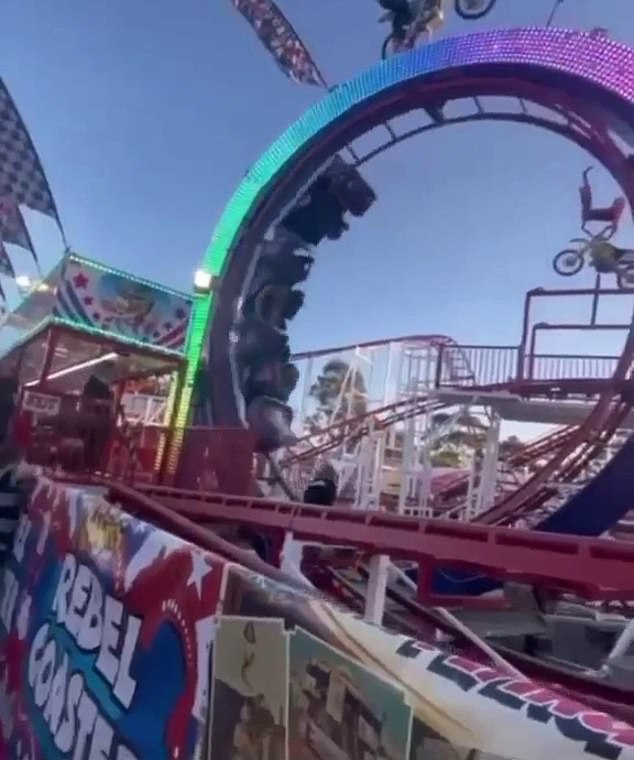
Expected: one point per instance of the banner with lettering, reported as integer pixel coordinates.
(345, 673)
(106, 635)
(119, 641)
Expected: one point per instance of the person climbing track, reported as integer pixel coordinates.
(403, 16)
(411, 20)
(606, 257)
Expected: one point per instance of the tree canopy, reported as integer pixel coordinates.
(339, 393)
(467, 437)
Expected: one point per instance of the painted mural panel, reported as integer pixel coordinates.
(249, 717)
(105, 300)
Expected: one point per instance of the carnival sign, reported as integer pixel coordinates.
(106, 634)
(459, 707)
(114, 634)
(113, 302)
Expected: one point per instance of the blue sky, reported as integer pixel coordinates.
(147, 114)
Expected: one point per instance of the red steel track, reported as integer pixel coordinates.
(568, 460)
(595, 568)
(533, 451)
(352, 429)
(188, 518)
(432, 339)
(571, 449)
(405, 614)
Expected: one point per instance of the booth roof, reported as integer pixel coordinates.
(38, 304)
(81, 352)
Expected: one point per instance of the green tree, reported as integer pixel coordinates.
(339, 392)
(510, 447)
(466, 437)
(467, 430)
(450, 449)
(447, 457)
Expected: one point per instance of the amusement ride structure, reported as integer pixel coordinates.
(251, 377)
(246, 423)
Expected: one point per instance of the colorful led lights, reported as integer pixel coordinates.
(592, 59)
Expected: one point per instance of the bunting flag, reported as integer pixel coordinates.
(21, 174)
(281, 40)
(13, 228)
(6, 267)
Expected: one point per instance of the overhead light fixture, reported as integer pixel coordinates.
(27, 285)
(75, 368)
(203, 281)
(24, 284)
(23, 281)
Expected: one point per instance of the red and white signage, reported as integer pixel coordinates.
(41, 404)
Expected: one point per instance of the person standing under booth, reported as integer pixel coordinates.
(22, 429)
(98, 412)
(15, 487)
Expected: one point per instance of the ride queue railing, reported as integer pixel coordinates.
(499, 365)
(566, 367)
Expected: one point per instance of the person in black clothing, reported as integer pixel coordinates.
(97, 409)
(97, 389)
(254, 541)
(402, 16)
(8, 397)
(322, 489)
(15, 488)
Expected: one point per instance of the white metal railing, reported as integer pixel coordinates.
(144, 409)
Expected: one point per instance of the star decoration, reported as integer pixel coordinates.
(96, 315)
(200, 569)
(88, 300)
(81, 281)
(180, 313)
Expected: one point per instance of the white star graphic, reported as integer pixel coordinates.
(200, 568)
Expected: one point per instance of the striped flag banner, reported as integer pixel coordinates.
(21, 174)
(13, 228)
(278, 36)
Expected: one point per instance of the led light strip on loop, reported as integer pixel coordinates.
(595, 60)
